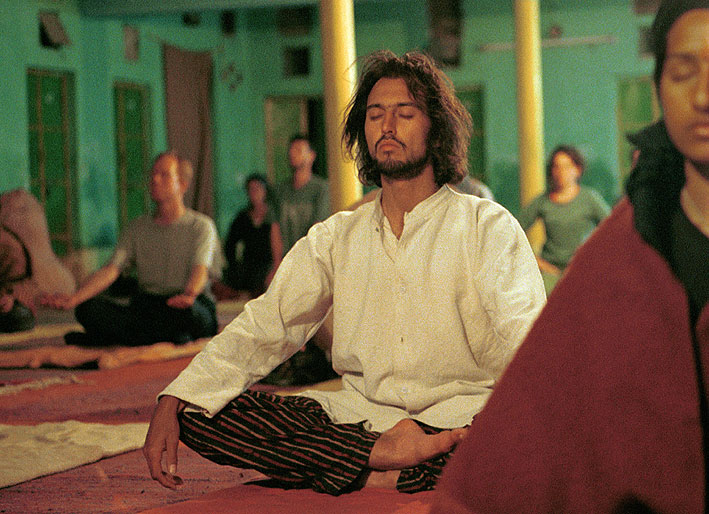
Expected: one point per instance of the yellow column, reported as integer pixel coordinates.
(530, 110)
(339, 79)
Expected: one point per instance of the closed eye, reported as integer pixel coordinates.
(681, 68)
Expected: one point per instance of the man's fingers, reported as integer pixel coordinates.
(459, 434)
(172, 457)
(153, 459)
(169, 479)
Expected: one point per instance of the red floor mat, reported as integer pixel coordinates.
(250, 499)
(122, 484)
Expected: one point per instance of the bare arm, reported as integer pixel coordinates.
(163, 437)
(96, 283)
(195, 285)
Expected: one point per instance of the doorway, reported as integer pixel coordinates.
(637, 108)
(473, 100)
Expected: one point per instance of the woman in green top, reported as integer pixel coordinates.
(568, 210)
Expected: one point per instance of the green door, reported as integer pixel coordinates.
(132, 149)
(50, 97)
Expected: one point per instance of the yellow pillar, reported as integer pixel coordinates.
(530, 110)
(339, 79)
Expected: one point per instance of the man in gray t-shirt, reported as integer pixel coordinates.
(305, 199)
(173, 252)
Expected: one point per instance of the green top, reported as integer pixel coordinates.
(567, 225)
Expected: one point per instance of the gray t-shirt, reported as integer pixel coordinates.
(299, 209)
(164, 255)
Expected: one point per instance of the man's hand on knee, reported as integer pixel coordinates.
(58, 301)
(181, 301)
(164, 437)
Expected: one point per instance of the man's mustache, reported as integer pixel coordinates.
(387, 137)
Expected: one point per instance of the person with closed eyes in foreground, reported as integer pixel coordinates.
(604, 407)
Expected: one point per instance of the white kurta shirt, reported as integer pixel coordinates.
(423, 326)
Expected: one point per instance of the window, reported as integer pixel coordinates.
(296, 62)
(51, 31)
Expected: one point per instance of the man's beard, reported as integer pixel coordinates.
(401, 170)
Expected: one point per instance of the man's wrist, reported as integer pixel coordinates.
(173, 402)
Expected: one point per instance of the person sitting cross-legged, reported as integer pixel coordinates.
(173, 251)
(430, 290)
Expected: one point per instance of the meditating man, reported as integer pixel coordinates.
(172, 251)
(431, 292)
(604, 407)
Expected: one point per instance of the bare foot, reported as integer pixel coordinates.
(383, 479)
(406, 445)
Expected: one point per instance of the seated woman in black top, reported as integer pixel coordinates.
(253, 246)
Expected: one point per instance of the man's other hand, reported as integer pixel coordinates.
(181, 301)
(58, 301)
(163, 437)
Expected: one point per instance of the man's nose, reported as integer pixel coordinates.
(389, 123)
(701, 92)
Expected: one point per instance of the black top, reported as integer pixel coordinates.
(689, 259)
(248, 253)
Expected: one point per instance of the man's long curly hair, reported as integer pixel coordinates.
(432, 90)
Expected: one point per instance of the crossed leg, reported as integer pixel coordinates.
(406, 445)
(293, 441)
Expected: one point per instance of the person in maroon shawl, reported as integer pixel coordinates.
(604, 407)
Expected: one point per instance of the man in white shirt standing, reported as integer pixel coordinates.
(431, 293)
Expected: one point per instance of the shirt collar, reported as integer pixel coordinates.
(422, 211)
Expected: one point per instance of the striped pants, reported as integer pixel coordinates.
(292, 440)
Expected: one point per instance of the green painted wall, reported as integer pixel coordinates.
(580, 88)
(579, 84)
